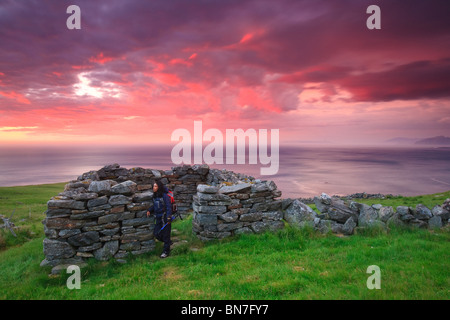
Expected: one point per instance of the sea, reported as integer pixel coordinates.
(304, 171)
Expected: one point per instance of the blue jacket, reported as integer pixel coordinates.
(161, 205)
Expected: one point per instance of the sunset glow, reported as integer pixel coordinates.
(138, 70)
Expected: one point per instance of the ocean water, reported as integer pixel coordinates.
(303, 171)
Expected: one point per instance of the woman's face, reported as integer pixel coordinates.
(155, 187)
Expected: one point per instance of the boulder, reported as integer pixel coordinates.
(435, 222)
(349, 226)
(422, 212)
(340, 212)
(367, 216)
(299, 214)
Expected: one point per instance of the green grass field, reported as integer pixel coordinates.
(289, 264)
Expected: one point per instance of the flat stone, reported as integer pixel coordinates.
(84, 239)
(54, 249)
(203, 188)
(236, 188)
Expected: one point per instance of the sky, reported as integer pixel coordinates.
(138, 70)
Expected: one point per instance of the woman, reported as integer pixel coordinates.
(162, 208)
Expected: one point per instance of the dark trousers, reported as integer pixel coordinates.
(164, 234)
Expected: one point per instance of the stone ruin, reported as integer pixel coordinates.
(102, 214)
(343, 217)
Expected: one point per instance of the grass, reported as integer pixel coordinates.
(289, 264)
(28, 204)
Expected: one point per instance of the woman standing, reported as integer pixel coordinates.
(162, 208)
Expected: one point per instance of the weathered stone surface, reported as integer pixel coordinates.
(137, 222)
(205, 219)
(108, 250)
(143, 196)
(84, 239)
(385, 213)
(236, 188)
(395, 220)
(272, 215)
(229, 226)
(126, 188)
(210, 209)
(64, 234)
(367, 216)
(251, 217)
(422, 212)
(299, 214)
(435, 222)
(97, 202)
(339, 212)
(203, 188)
(54, 249)
(228, 216)
(119, 199)
(101, 187)
(67, 204)
(63, 223)
(349, 226)
(88, 215)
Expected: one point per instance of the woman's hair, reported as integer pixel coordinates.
(160, 185)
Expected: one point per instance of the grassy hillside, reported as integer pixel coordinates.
(289, 264)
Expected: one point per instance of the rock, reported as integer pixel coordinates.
(339, 212)
(326, 226)
(402, 210)
(441, 212)
(322, 203)
(349, 226)
(259, 187)
(101, 187)
(385, 213)
(118, 200)
(228, 216)
(236, 188)
(210, 209)
(126, 188)
(54, 249)
(84, 239)
(446, 204)
(395, 221)
(67, 204)
(435, 222)
(205, 219)
(97, 202)
(108, 250)
(377, 206)
(422, 212)
(418, 223)
(251, 217)
(63, 223)
(299, 214)
(143, 196)
(68, 233)
(367, 216)
(203, 188)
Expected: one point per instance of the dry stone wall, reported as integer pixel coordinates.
(224, 211)
(344, 217)
(102, 214)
